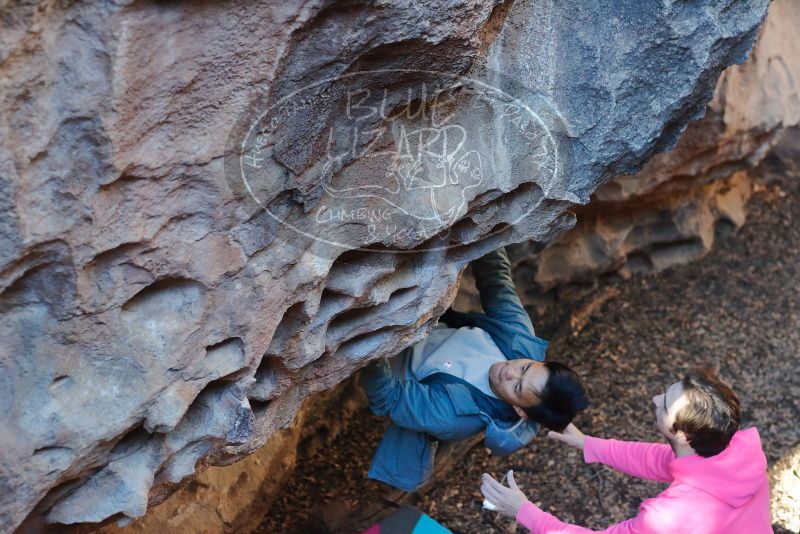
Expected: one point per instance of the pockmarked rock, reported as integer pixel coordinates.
(669, 211)
(161, 312)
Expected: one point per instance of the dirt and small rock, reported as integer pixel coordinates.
(737, 311)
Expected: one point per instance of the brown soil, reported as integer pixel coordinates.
(737, 310)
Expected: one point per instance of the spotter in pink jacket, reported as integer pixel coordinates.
(726, 493)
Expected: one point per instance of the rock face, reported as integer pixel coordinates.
(667, 213)
(207, 209)
(233, 498)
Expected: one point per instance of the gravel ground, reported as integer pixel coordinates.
(737, 311)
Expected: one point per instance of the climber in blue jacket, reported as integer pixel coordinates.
(478, 372)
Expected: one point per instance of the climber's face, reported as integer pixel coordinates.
(519, 382)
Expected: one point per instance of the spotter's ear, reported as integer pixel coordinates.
(521, 412)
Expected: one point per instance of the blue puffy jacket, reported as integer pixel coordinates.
(443, 407)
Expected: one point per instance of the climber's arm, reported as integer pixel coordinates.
(498, 294)
(415, 406)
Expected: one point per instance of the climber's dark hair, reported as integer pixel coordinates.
(562, 398)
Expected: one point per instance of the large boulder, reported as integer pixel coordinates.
(211, 211)
(670, 211)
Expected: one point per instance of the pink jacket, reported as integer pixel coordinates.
(726, 493)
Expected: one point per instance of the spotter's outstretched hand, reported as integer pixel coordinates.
(507, 499)
(570, 436)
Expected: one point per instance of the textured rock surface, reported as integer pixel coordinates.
(155, 323)
(784, 483)
(233, 498)
(667, 212)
